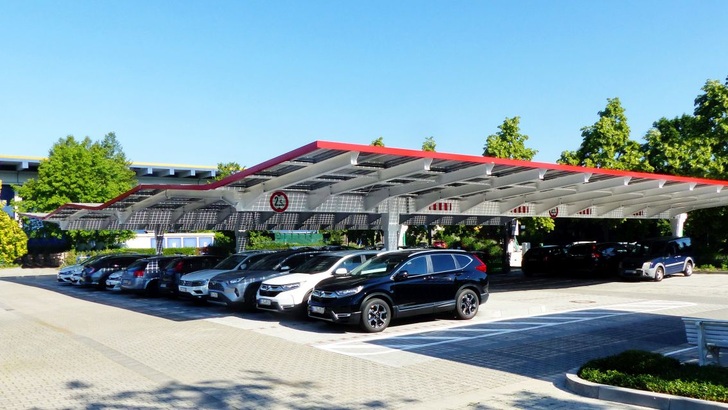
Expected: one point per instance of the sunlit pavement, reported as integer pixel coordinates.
(67, 347)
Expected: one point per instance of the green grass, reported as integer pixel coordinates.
(654, 372)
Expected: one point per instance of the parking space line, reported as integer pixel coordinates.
(489, 329)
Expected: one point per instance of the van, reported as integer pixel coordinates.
(656, 258)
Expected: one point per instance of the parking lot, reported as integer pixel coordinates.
(70, 347)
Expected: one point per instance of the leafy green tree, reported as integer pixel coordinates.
(680, 147)
(379, 142)
(711, 113)
(509, 142)
(13, 242)
(606, 144)
(79, 171)
(429, 144)
(225, 169)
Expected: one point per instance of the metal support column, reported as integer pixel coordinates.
(241, 240)
(159, 239)
(677, 223)
(391, 225)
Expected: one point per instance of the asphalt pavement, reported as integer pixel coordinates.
(64, 347)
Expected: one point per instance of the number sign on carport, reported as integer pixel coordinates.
(329, 185)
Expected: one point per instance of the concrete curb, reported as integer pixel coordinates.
(636, 397)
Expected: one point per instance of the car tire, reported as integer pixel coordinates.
(688, 269)
(375, 315)
(303, 308)
(659, 273)
(466, 304)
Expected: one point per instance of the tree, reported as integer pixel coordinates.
(429, 144)
(508, 142)
(79, 171)
(679, 147)
(606, 144)
(379, 142)
(225, 169)
(13, 242)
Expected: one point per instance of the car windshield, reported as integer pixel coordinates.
(269, 262)
(231, 262)
(318, 264)
(379, 265)
(652, 248)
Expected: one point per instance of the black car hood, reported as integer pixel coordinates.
(344, 282)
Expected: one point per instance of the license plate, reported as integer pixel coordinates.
(184, 289)
(630, 272)
(317, 309)
(214, 295)
(264, 302)
(162, 285)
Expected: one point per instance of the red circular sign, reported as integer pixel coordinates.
(279, 201)
(554, 212)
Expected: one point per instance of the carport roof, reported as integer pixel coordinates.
(331, 185)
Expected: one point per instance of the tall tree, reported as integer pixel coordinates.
(509, 142)
(679, 147)
(429, 144)
(79, 171)
(606, 144)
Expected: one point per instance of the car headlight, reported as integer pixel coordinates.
(646, 265)
(235, 281)
(290, 286)
(348, 292)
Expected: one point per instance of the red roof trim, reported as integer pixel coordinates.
(340, 146)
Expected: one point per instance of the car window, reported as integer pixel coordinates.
(443, 263)
(415, 266)
(379, 265)
(230, 262)
(462, 261)
(317, 264)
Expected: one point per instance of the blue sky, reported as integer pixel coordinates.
(202, 82)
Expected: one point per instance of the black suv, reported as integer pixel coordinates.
(402, 283)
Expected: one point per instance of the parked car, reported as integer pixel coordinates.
(96, 272)
(542, 259)
(169, 280)
(291, 291)
(194, 284)
(656, 258)
(238, 288)
(113, 282)
(65, 274)
(402, 283)
(143, 275)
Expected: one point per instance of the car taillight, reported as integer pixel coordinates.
(139, 273)
(179, 266)
(481, 267)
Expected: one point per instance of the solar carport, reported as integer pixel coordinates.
(330, 185)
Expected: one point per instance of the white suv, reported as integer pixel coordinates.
(291, 291)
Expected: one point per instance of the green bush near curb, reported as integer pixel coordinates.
(641, 370)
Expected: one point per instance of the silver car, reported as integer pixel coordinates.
(194, 284)
(238, 288)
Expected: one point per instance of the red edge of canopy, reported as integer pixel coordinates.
(403, 152)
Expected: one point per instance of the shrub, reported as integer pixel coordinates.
(653, 372)
(13, 241)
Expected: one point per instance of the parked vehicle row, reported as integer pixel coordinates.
(365, 287)
(652, 258)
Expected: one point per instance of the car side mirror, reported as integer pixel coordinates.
(243, 266)
(401, 275)
(341, 271)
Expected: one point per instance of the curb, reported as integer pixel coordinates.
(636, 397)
